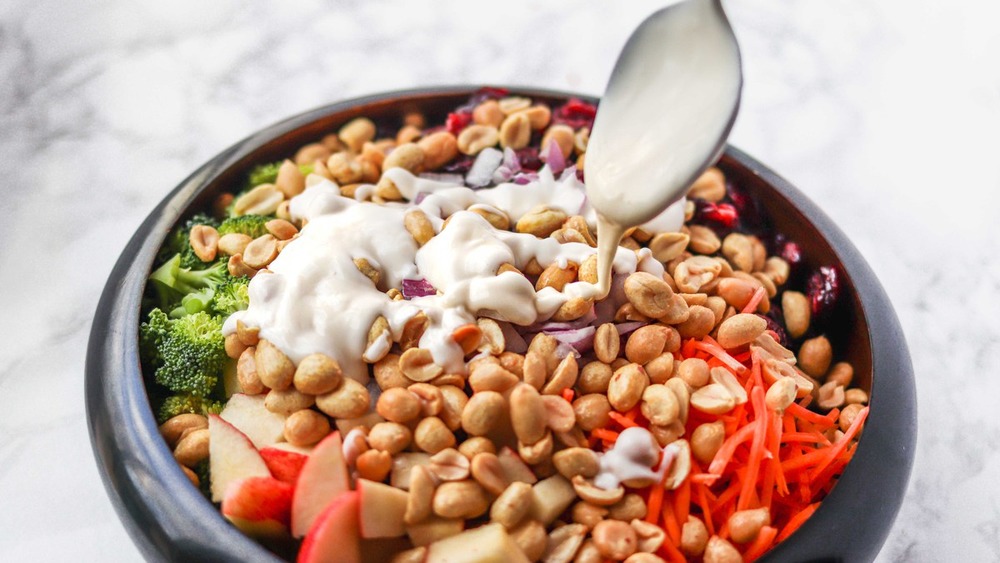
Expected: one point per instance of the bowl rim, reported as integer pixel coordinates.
(170, 520)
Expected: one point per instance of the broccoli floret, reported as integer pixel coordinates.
(250, 225)
(187, 354)
(231, 296)
(264, 174)
(268, 173)
(183, 404)
(179, 242)
(204, 477)
(194, 303)
(173, 283)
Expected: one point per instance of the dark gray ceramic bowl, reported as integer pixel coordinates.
(170, 520)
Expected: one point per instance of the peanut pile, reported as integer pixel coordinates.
(510, 441)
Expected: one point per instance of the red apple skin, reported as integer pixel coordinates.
(284, 465)
(334, 536)
(322, 479)
(259, 499)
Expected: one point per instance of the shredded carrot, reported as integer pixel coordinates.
(756, 448)
(765, 538)
(682, 502)
(568, 394)
(784, 461)
(832, 453)
(712, 347)
(654, 503)
(672, 553)
(725, 453)
(604, 434)
(755, 300)
(796, 521)
(622, 420)
(807, 415)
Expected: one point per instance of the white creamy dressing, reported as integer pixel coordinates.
(314, 299)
(669, 104)
(635, 455)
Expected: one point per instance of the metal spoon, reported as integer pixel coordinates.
(666, 113)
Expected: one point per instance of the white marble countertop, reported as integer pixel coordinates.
(869, 107)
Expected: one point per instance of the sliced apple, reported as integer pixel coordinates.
(285, 465)
(259, 506)
(550, 498)
(247, 413)
(333, 537)
(514, 468)
(402, 464)
(433, 529)
(382, 509)
(232, 457)
(322, 479)
(486, 544)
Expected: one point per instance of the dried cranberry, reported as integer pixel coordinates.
(529, 159)
(776, 322)
(459, 165)
(480, 96)
(575, 113)
(457, 120)
(746, 207)
(723, 214)
(823, 289)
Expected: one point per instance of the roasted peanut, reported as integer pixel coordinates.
(390, 437)
(594, 376)
(476, 445)
(398, 405)
(592, 411)
(718, 550)
(842, 373)
(349, 400)
(175, 427)
(460, 499)
(855, 396)
(576, 461)
(512, 505)
(488, 113)
(273, 367)
(744, 525)
(630, 507)
(646, 343)
(488, 471)
(797, 311)
(439, 148)
(781, 394)
(563, 377)
(475, 138)
(694, 536)
(306, 427)
(192, 448)
(660, 405)
(830, 396)
(559, 414)
(527, 413)
(418, 365)
(287, 401)
(491, 377)
(246, 372)
(814, 356)
(541, 221)
(848, 414)
(374, 465)
(626, 387)
(317, 374)
(740, 330)
(531, 538)
(649, 294)
(453, 401)
(593, 494)
(483, 412)
(432, 435)
(515, 131)
(449, 465)
(710, 186)
(615, 539)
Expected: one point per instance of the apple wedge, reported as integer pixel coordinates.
(259, 506)
(485, 544)
(248, 414)
(232, 457)
(382, 509)
(322, 479)
(333, 538)
(551, 497)
(285, 465)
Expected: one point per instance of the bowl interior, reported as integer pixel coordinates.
(149, 502)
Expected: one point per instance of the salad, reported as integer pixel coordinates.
(380, 349)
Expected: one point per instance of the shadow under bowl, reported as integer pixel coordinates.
(170, 520)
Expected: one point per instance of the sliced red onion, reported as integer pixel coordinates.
(481, 173)
(509, 166)
(522, 178)
(514, 341)
(577, 342)
(571, 171)
(417, 288)
(445, 178)
(629, 327)
(419, 197)
(553, 156)
(605, 311)
(547, 327)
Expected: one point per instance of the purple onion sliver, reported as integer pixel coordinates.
(417, 288)
(629, 327)
(577, 341)
(419, 197)
(553, 156)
